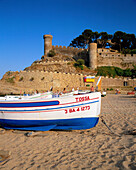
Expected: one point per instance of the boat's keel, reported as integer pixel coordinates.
(45, 125)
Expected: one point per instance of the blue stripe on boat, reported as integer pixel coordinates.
(44, 125)
(29, 104)
(50, 108)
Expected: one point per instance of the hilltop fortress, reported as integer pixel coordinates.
(59, 72)
(93, 56)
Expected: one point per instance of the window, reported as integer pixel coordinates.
(125, 83)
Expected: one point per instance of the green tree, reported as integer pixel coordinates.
(87, 34)
(104, 37)
(96, 35)
(123, 41)
(90, 36)
(78, 42)
(84, 39)
(118, 39)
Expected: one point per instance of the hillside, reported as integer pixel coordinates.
(41, 75)
(63, 64)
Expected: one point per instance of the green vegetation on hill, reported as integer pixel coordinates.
(79, 63)
(112, 71)
(11, 80)
(51, 53)
(121, 41)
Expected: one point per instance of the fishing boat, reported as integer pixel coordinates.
(27, 96)
(68, 112)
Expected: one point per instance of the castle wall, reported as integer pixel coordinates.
(101, 57)
(116, 59)
(96, 57)
(44, 80)
(29, 81)
(68, 51)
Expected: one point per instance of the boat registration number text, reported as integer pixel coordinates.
(72, 110)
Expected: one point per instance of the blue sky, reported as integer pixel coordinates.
(24, 22)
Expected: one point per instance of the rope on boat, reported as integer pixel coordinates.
(103, 121)
(131, 132)
(130, 123)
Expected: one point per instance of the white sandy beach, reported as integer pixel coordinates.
(95, 148)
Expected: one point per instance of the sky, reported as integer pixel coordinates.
(24, 22)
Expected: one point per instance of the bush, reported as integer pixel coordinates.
(119, 71)
(51, 53)
(9, 73)
(32, 78)
(11, 80)
(42, 78)
(68, 63)
(133, 71)
(80, 61)
(115, 71)
(128, 51)
(21, 79)
(76, 65)
(81, 66)
(127, 73)
(42, 57)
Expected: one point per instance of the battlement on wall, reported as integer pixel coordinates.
(67, 48)
(73, 74)
(122, 60)
(128, 55)
(104, 54)
(52, 62)
(49, 72)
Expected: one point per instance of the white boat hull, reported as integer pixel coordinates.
(65, 113)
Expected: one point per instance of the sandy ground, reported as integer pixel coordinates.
(95, 148)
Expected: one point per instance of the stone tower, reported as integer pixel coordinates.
(93, 55)
(47, 44)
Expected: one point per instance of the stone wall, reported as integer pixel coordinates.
(93, 57)
(68, 51)
(104, 56)
(116, 59)
(42, 81)
(117, 82)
